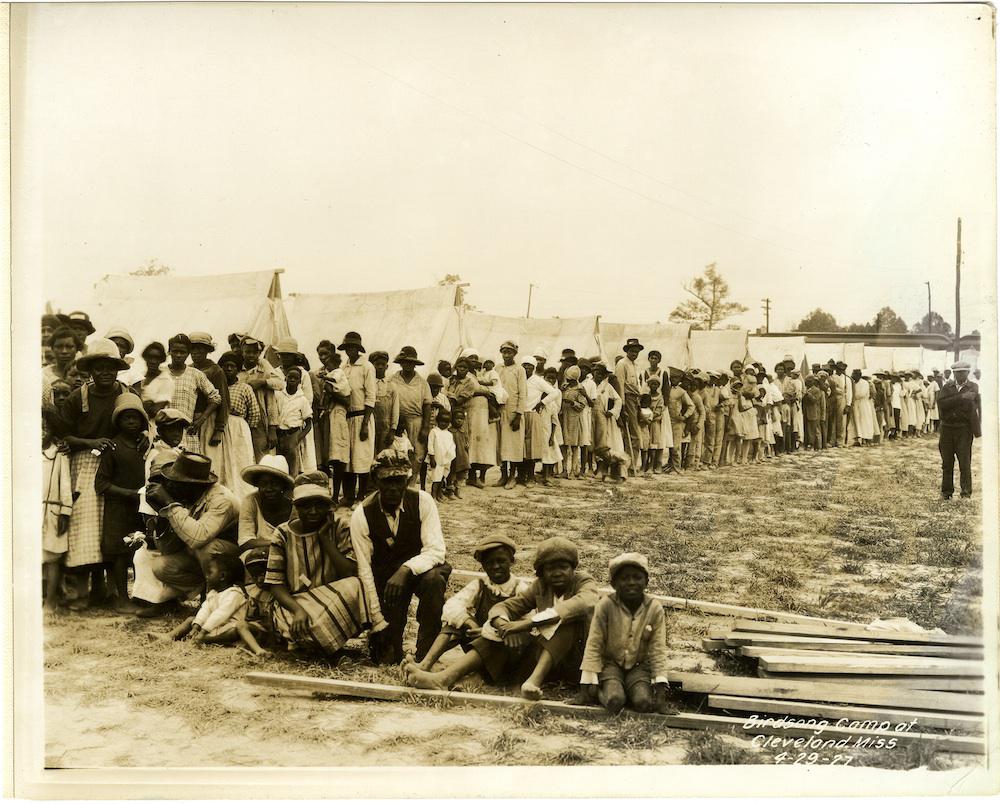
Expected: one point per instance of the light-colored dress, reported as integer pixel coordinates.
(440, 444)
(237, 443)
(361, 376)
(863, 410)
(513, 381)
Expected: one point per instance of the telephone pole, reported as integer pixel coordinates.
(766, 307)
(958, 290)
(530, 288)
(930, 326)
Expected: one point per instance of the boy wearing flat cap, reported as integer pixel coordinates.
(555, 610)
(463, 617)
(626, 653)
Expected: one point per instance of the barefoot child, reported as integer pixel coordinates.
(626, 653)
(574, 407)
(222, 617)
(464, 614)
(645, 420)
(120, 477)
(459, 466)
(657, 425)
(440, 453)
(294, 421)
(555, 610)
(57, 502)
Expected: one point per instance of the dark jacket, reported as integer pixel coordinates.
(961, 408)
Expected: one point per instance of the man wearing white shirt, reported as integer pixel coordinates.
(400, 550)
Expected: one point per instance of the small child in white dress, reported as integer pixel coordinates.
(490, 377)
(440, 453)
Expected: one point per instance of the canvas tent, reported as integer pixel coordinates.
(714, 350)
(153, 308)
(907, 358)
(971, 356)
(671, 340)
(939, 359)
(879, 358)
(424, 318)
(771, 351)
(485, 333)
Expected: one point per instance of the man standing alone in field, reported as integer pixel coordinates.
(960, 409)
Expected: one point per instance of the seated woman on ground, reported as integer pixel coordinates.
(554, 611)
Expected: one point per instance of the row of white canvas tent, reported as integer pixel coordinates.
(436, 325)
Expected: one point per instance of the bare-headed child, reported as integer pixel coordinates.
(222, 617)
(294, 419)
(459, 466)
(625, 660)
(490, 377)
(657, 425)
(440, 453)
(120, 477)
(463, 617)
(554, 610)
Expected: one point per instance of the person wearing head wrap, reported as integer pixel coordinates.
(400, 551)
(555, 611)
(512, 413)
(575, 407)
(312, 573)
(863, 409)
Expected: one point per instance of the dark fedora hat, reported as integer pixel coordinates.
(408, 355)
(632, 343)
(80, 318)
(351, 339)
(190, 467)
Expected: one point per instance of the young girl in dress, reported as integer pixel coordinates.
(57, 499)
(645, 420)
(657, 425)
(574, 409)
(120, 476)
(440, 453)
(552, 457)
(244, 416)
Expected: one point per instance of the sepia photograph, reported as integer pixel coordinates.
(602, 393)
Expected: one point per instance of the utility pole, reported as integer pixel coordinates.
(930, 326)
(530, 288)
(958, 290)
(767, 314)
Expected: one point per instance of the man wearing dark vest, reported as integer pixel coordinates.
(400, 551)
(960, 409)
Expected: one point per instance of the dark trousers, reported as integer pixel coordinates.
(507, 663)
(429, 589)
(630, 426)
(955, 442)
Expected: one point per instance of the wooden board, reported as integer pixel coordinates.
(707, 607)
(871, 665)
(387, 692)
(855, 632)
(831, 692)
(713, 645)
(942, 683)
(756, 652)
(743, 639)
(925, 720)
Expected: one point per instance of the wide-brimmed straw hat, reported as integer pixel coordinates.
(351, 339)
(101, 349)
(288, 346)
(121, 332)
(191, 467)
(271, 465)
(408, 355)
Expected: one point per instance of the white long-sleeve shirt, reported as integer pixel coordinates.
(222, 608)
(431, 554)
(462, 605)
(538, 391)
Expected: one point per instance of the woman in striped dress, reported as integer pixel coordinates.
(311, 572)
(237, 440)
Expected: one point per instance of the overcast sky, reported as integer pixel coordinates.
(819, 155)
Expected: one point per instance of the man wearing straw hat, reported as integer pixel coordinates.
(360, 374)
(415, 403)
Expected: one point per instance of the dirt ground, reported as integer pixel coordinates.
(854, 534)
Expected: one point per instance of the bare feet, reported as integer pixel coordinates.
(423, 680)
(531, 691)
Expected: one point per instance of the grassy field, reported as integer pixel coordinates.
(854, 534)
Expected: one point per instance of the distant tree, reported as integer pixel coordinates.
(932, 322)
(818, 320)
(886, 320)
(710, 304)
(455, 279)
(152, 268)
(859, 328)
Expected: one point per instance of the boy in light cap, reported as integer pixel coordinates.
(626, 652)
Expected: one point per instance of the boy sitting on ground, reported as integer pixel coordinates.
(463, 617)
(555, 610)
(625, 660)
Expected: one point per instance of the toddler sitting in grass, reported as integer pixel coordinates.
(222, 617)
(464, 614)
(626, 655)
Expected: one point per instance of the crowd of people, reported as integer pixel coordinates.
(295, 503)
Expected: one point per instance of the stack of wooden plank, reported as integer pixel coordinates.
(848, 671)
